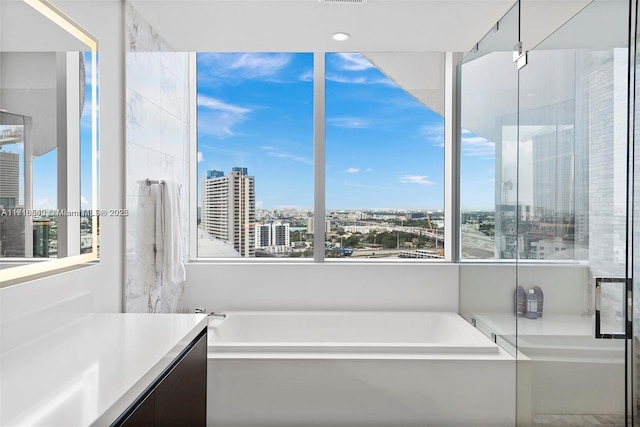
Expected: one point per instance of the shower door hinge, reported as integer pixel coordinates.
(522, 61)
(519, 56)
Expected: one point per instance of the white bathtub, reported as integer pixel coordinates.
(356, 369)
(346, 333)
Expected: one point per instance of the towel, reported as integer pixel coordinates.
(169, 247)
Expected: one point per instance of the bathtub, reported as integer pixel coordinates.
(356, 369)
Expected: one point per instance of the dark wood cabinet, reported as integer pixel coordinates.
(143, 415)
(178, 397)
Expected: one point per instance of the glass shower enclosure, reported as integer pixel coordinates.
(557, 116)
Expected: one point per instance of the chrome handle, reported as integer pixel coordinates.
(619, 322)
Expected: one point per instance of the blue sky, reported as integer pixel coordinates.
(384, 149)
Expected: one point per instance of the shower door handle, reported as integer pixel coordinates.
(614, 320)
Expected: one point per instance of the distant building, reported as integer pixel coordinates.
(263, 235)
(327, 225)
(228, 208)
(273, 237)
(9, 179)
(549, 248)
(41, 227)
(214, 174)
(12, 243)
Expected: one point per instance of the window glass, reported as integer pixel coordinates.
(384, 162)
(255, 154)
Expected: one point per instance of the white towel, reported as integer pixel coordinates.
(169, 248)
(156, 190)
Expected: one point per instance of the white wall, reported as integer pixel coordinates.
(488, 288)
(98, 287)
(327, 286)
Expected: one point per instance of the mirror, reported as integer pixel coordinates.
(49, 218)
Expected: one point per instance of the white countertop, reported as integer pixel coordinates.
(89, 371)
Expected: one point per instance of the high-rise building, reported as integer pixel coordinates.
(9, 179)
(280, 235)
(263, 235)
(273, 238)
(228, 208)
(272, 234)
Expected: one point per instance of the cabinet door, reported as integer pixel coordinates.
(144, 415)
(181, 398)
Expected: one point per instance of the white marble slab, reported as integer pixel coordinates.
(90, 371)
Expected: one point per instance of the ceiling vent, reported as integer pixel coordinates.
(343, 1)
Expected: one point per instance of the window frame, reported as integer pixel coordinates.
(451, 169)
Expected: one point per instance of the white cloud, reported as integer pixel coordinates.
(434, 134)
(353, 170)
(261, 64)
(259, 204)
(84, 201)
(217, 105)
(477, 146)
(348, 122)
(200, 156)
(307, 76)
(243, 65)
(361, 80)
(354, 62)
(219, 117)
(339, 78)
(415, 179)
(274, 152)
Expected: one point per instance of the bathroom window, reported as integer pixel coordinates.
(384, 161)
(255, 155)
(384, 156)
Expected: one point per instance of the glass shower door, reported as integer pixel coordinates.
(488, 182)
(572, 221)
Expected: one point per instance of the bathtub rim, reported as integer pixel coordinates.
(327, 350)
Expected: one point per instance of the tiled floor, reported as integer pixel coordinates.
(580, 420)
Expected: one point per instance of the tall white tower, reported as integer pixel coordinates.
(229, 208)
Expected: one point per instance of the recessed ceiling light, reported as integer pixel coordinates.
(341, 36)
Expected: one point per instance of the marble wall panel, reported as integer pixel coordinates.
(157, 148)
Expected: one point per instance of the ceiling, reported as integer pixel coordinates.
(374, 25)
(307, 25)
(404, 38)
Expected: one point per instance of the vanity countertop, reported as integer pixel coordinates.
(89, 371)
